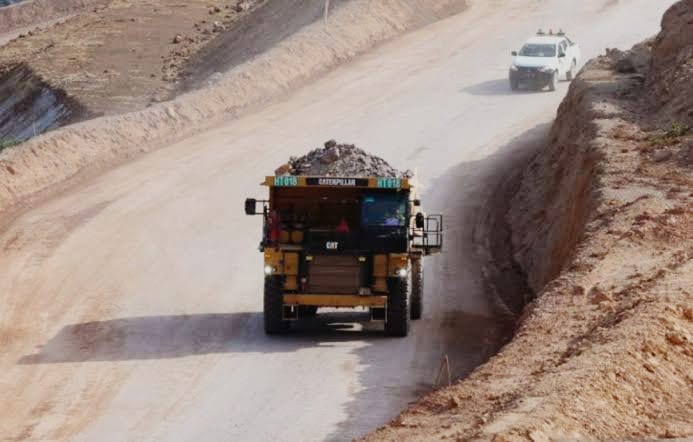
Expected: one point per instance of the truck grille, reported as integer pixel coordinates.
(330, 274)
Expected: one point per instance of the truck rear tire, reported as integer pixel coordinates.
(397, 316)
(274, 306)
(417, 287)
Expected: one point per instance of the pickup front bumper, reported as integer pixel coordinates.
(533, 76)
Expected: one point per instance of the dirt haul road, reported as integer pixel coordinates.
(131, 304)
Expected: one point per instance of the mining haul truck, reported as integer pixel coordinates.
(344, 243)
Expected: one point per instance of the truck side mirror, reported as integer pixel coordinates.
(419, 220)
(561, 55)
(514, 53)
(250, 206)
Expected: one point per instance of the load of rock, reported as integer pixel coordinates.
(340, 160)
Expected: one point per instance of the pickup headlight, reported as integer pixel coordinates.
(547, 69)
(513, 67)
(269, 270)
(402, 273)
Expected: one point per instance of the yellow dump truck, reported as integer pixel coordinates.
(344, 243)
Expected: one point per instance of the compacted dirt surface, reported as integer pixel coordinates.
(132, 300)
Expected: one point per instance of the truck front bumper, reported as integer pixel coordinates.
(317, 300)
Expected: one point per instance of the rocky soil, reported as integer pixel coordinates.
(340, 160)
(121, 56)
(603, 227)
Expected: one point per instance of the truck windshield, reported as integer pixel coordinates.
(384, 210)
(538, 50)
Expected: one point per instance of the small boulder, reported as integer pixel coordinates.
(676, 339)
(598, 296)
(243, 6)
(660, 156)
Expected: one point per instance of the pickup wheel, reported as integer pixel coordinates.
(274, 306)
(417, 287)
(553, 81)
(571, 73)
(397, 315)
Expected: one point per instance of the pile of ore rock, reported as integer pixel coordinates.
(340, 160)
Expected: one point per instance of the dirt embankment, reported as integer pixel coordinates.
(88, 147)
(121, 56)
(30, 106)
(603, 226)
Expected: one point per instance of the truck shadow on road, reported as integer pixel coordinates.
(164, 337)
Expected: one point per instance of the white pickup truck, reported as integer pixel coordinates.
(543, 60)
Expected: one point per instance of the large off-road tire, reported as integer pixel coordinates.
(274, 306)
(397, 315)
(417, 288)
(571, 73)
(553, 82)
(307, 311)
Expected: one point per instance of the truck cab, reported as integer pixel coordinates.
(344, 243)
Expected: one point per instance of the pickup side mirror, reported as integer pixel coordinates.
(250, 206)
(561, 55)
(417, 203)
(514, 53)
(419, 221)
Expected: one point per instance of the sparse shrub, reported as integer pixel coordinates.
(7, 142)
(670, 135)
(677, 130)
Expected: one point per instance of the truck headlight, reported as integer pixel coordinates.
(402, 273)
(547, 69)
(269, 270)
(513, 68)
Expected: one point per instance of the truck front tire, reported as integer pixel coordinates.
(397, 316)
(307, 311)
(417, 288)
(274, 306)
(553, 81)
(571, 73)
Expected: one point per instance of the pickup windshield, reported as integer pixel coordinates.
(538, 50)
